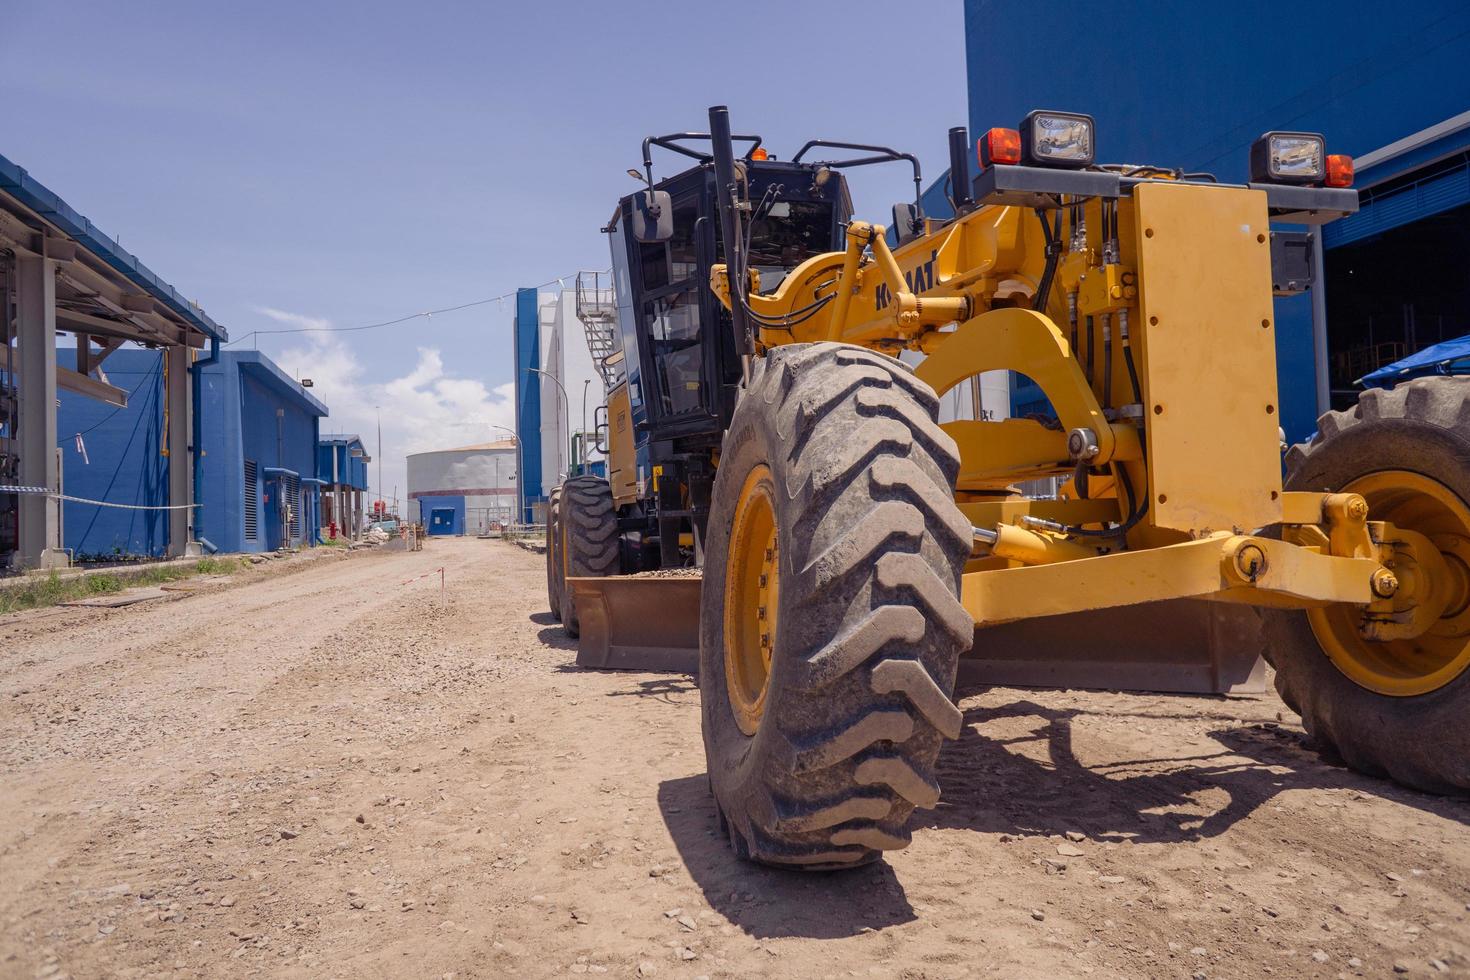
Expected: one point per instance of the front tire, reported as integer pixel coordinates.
(831, 626)
(589, 538)
(1402, 708)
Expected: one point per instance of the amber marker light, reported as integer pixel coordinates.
(1339, 170)
(1000, 146)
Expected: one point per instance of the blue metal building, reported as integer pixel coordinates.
(341, 466)
(1193, 85)
(259, 484)
(256, 471)
(528, 402)
(60, 275)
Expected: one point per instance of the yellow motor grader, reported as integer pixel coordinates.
(853, 546)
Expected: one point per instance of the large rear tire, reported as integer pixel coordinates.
(831, 626)
(589, 538)
(1399, 708)
(554, 582)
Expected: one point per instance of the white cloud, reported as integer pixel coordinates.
(294, 319)
(425, 408)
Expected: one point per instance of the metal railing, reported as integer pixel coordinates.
(598, 310)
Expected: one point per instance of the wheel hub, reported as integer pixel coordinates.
(752, 595)
(1435, 648)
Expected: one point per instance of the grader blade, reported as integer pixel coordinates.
(1185, 646)
(638, 623)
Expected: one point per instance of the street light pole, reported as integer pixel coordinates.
(502, 428)
(566, 408)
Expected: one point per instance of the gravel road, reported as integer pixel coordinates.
(318, 770)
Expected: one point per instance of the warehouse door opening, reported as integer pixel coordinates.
(1395, 293)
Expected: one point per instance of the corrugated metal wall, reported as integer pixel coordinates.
(1192, 85)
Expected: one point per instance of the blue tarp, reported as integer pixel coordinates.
(1445, 357)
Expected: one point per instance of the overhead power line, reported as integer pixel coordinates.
(559, 280)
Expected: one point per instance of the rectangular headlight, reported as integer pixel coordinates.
(1057, 139)
(1289, 158)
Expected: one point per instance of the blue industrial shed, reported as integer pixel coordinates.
(1193, 85)
(257, 469)
(528, 403)
(341, 465)
(259, 485)
(60, 275)
(342, 460)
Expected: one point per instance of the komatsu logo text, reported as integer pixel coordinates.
(920, 279)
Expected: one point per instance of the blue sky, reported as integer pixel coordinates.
(346, 163)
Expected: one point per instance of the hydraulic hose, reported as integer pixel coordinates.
(1112, 532)
(1090, 345)
(1053, 252)
(1128, 357)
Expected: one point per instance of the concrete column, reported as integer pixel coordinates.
(181, 540)
(40, 516)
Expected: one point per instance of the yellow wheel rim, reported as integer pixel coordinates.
(1425, 663)
(752, 590)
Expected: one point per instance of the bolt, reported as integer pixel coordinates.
(1250, 560)
(1357, 509)
(1082, 444)
(1385, 583)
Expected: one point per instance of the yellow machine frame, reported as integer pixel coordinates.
(1187, 289)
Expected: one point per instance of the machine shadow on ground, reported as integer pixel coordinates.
(552, 633)
(1032, 784)
(768, 903)
(663, 689)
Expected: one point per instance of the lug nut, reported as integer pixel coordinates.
(1385, 583)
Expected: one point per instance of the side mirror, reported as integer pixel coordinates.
(653, 216)
(907, 222)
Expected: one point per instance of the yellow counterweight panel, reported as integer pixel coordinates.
(1208, 347)
(622, 469)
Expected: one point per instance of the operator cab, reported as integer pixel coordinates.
(677, 368)
(680, 356)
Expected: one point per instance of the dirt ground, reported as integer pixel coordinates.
(322, 771)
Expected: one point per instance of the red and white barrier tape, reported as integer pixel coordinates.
(431, 571)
